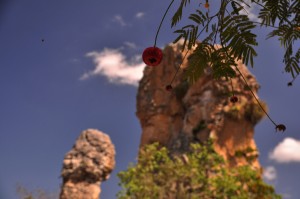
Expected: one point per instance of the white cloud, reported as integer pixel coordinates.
(286, 151)
(270, 173)
(250, 11)
(112, 63)
(119, 19)
(130, 44)
(286, 195)
(139, 15)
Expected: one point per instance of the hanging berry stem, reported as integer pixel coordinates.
(233, 98)
(279, 127)
(245, 81)
(179, 67)
(162, 22)
(231, 87)
(291, 82)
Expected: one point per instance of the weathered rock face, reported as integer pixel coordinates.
(194, 113)
(86, 165)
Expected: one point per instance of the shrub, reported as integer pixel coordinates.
(200, 173)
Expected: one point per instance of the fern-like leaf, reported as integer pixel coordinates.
(272, 10)
(221, 64)
(236, 34)
(190, 32)
(198, 61)
(178, 14)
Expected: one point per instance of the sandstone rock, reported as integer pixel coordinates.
(86, 165)
(194, 113)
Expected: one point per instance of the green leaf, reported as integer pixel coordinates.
(178, 14)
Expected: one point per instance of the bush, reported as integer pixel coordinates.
(38, 193)
(201, 173)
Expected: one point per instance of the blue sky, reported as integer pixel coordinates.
(52, 90)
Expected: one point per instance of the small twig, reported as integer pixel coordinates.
(245, 81)
(179, 67)
(162, 22)
(231, 87)
(190, 49)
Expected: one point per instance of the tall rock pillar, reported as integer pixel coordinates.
(194, 113)
(86, 165)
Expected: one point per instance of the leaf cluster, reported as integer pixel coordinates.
(190, 32)
(285, 13)
(235, 32)
(207, 56)
(237, 37)
(202, 173)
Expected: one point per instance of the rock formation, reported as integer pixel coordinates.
(199, 111)
(86, 165)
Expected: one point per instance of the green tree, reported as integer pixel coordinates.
(200, 173)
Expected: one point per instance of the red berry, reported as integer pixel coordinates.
(233, 99)
(169, 87)
(152, 56)
(280, 127)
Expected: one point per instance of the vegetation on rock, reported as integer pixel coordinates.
(38, 193)
(201, 173)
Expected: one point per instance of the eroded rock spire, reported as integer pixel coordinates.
(86, 165)
(194, 113)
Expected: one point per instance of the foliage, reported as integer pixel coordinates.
(38, 193)
(201, 173)
(234, 112)
(254, 113)
(235, 32)
(245, 110)
(249, 154)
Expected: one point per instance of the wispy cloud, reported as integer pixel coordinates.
(286, 195)
(286, 151)
(270, 173)
(250, 11)
(112, 63)
(139, 15)
(119, 19)
(130, 45)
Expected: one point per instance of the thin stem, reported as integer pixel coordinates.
(264, 24)
(295, 78)
(190, 49)
(205, 26)
(162, 22)
(245, 81)
(231, 86)
(179, 67)
(174, 75)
